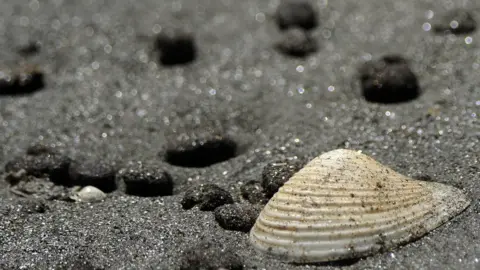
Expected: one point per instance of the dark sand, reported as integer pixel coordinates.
(106, 98)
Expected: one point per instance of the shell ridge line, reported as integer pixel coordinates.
(363, 239)
(337, 209)
(344, 204)
(343, 249)
(276, 222)
(347, 200)
(307, 190)
(340, 233)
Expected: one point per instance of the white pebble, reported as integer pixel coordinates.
(89, 194)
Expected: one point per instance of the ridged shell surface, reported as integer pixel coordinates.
(343, 204)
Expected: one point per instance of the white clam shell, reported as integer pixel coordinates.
(89, 194)
(343, 204)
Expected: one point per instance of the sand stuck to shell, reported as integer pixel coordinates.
(343, 204)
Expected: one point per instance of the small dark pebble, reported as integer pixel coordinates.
(296, 13)
(206, 196)
(175, 47)
(275, 174)
(252, 192)
(20, 81)
(388, 80)
(29, 49)
(457, 21)
(201, 152)
(296, 42)
(144, 180)
(32, 206)
(51, 165)
(95, 173)
(237, 217)
(210, 256)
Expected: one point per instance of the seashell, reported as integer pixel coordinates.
(343, 205)
(89, 194)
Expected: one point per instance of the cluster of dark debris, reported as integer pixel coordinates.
(241, 216)
(385, 80)
(45, 174)
(296, 19)
(231, 215)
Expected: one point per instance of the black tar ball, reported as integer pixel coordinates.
(206, 196)
(252, 192)
(296, 13)
(388, 80)
(21, 80)
(95, 173)
(175, 47)
(457, 21)
(145, 180)
(275, 174)
(236, 217)
(296, 42)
